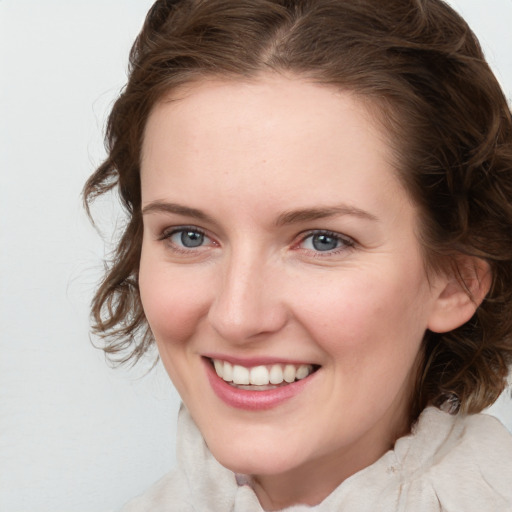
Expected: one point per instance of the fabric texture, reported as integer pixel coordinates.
(448, 463)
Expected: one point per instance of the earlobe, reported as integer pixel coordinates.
(461, 292)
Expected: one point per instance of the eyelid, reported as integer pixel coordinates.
(167, 233)
(346, 241)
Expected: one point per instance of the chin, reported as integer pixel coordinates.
(254, 459)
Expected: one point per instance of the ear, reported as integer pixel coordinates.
(460, 293)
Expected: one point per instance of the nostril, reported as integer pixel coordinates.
(248, 301)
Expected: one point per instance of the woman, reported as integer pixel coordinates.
(319, 241)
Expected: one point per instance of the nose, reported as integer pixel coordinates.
(249, 302)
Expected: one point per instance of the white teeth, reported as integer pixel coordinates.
(276, 374)
(302, 372)
(240, 375)
(261, 375)
(289, 373)
(227, 372)
(219, 367)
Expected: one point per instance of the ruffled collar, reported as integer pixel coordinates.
(448, 463)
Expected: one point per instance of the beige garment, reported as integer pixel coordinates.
(448, 463)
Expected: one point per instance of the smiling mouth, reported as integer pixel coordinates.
(263, 377)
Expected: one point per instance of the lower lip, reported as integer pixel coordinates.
(253, 400)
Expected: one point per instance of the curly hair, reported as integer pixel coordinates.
(422, 69)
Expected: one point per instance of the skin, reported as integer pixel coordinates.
(246, 155)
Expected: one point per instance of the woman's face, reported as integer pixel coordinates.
(279, 244)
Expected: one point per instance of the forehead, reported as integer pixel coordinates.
(275, 137)
(256, 107)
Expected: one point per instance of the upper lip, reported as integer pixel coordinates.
(250, 362)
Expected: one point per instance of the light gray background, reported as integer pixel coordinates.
(76, 436)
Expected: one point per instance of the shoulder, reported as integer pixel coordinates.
(199, 482)
(172, 488)
(464, 462)
(477, 439)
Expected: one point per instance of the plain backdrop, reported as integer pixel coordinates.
(75, 435)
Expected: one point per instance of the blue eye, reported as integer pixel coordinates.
(324, 242)
(190, 239)
(187, 238)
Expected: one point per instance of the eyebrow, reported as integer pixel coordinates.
(289, 217)
(165, 207)
(308, 214)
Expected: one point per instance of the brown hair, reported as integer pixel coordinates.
(449, 124)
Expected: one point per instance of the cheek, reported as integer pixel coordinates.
(173, 301)
(368, 318)
(371, 333)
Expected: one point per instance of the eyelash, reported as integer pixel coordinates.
(346, 243)
(169, 233)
